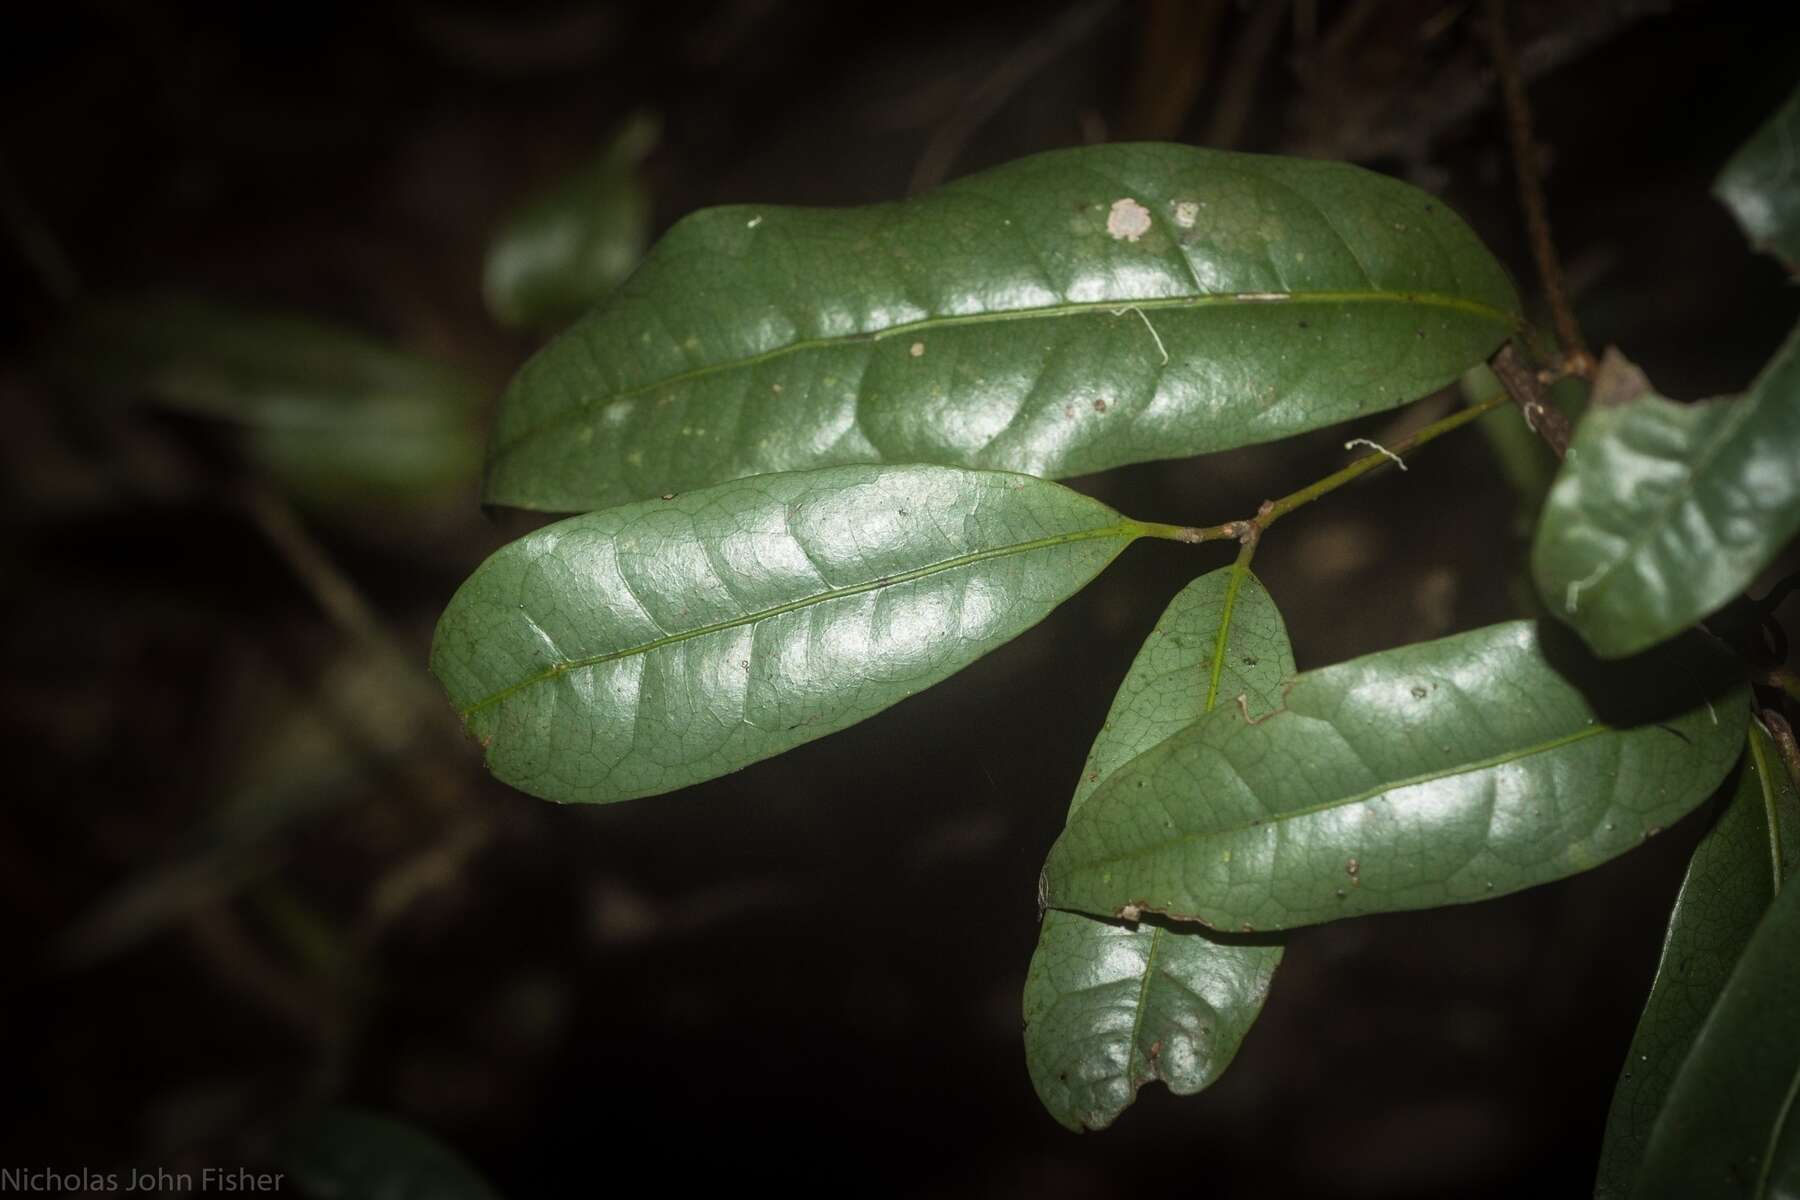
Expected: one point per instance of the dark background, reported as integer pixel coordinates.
(809, 970)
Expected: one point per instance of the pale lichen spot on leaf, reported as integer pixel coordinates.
(1128, 220)
(1186, 213)
(918, 349)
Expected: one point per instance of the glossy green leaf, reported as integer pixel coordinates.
(332, 415)
(564, 249)
(347, 1154)
(1737, 870)
(1110, 1006)
(1730, 1126)
(1663, 512)
(1433, 774)
(643, 648)
(1058, 315)
(1761, 184)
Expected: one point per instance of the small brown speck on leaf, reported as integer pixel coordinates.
(1100, 405)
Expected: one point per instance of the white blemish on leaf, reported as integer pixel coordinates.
(1128, 221)
(753, 222)
(918, 350)
(1186, 213)
(1263, 296)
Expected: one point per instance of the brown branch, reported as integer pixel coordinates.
(1576, 359)
(1527, 391)
(1782, 734)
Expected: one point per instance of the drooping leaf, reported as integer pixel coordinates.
(1729, 1126)
(1662, 512)
(564, 249)
(332, 415)
(1058, 315)
(1437, 773)
(1736, 872)
(1761, 184)
(348, 1154)
(1110, 1006)
(643, 648)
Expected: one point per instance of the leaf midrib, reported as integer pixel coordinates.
(1045, 312)
(1497, 760)
(1127, 530)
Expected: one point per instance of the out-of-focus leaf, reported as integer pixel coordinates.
(1058, 315)
(1761, 184)
(643, 648)
(346, 1154)
(1737, 870)
(1437, 773)
(333, 416)
(1110, 1006)
(1729, 1126)
(1662, 512)
(564, 249)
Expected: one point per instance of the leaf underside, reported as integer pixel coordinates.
(1110, 1006)
(1663, 512)
(1437, 773)
(1062, 314)
(648, 647)
(1736, 872)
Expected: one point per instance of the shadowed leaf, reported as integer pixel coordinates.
(1737, 870)
(1761, 184)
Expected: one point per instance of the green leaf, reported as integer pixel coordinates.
(1737, 870)
(1058, 315)
(1437, 773)
(1729, 1127)
(1111, 1006)
(564, 249)
(644, 648)
(1761, 184)
(331, 415)
(346, 1154)
(1663, 512)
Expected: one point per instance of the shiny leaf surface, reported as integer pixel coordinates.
(1110, 1006)
(1437, 773)
(1736, 872)
(647, 647)
(1730, 1126)
(1662, 512)
(1761, 184)
(1058, 315)
(346, 1154)
(566, 248)
(330, 414)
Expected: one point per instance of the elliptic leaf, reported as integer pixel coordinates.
(332, 415)
(647, 647)
(566, 248)
(1108, 1005)
(1730, 1126)
(346, 1154)
(1737, 870)
(1663, 512)
(1058, 315)
(1761, 184)
(1433, 774)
